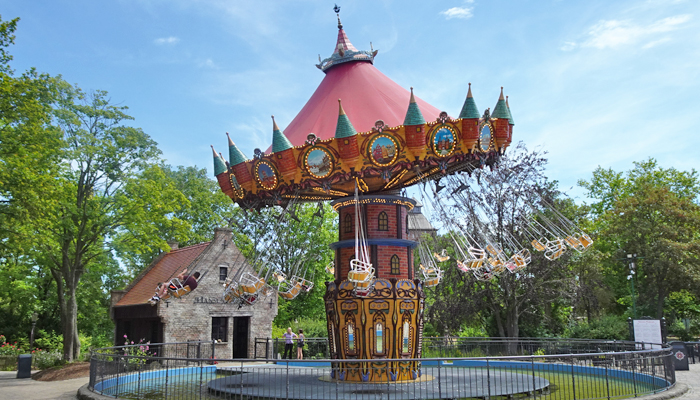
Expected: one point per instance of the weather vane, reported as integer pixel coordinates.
(336, 9)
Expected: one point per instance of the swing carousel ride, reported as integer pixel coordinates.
(374, 304)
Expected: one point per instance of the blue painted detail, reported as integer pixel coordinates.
(365, 377)
(332, 374)
(381, 242)
(342, 376)
(392, 375)
(414, 374)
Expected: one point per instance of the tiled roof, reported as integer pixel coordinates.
(162, 269)
(418, 222)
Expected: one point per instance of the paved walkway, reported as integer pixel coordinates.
(688, 387)
(12, 388)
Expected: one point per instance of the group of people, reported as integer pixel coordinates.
(289, 337)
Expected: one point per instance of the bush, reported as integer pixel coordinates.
(47, 359)
(608, 327)
(9, 349)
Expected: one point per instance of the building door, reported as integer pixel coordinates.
(240, 337)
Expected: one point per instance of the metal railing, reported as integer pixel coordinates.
(132, 372)
(436, 347)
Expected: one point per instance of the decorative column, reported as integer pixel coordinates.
(387, 323)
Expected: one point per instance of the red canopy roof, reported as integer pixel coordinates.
(367, 95)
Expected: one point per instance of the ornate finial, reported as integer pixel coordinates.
(340, 110)
(469, 92)
(507, 102)
(337, 12)
(274, 124)
(413, 99)
(319, 58)
(371, 47)
(501, 96)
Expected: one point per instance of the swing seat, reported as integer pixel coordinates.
(231, 294)
(306, 285)
(249, 299)
(492, 250)
(476, 264)
(585, 240)
(464, 267)
(179, 292)
(555, 249)
(292, 292)
(537, 245)
(574, 243)
(330, 268)
(251, 284)
(280, 276)
(442, 257)
(431, 282)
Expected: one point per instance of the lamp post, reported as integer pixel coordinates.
(35, 317)
(633, 270)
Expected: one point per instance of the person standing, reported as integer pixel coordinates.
(289, 337)
(300, 345)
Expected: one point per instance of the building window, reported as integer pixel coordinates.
(406, 223)
(379, 337)
(383, 222)
(405, 348)
(219, 329)
(223, 273)
(348, 223)
(351, 338)
(395, 270)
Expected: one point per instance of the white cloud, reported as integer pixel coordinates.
(208, 63)
(458, 12)
(166, 41)
(656, 43)
(568, 46)
(616, 33)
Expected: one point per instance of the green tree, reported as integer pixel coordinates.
(652, 212)
(498, 201)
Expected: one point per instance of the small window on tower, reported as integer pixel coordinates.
(395, 268)
(383, 222)
(223, 273)
(348, 223)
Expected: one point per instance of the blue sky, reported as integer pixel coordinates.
(591, 82)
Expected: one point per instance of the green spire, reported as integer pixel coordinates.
(235, 156)
(279, 141)
(501, 109)
(510, 120)
(343, 128)
(413, 115)
(469, 109)
(219, 164)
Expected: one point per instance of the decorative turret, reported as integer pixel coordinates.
(414, 122)
(344, 50)
(346, 137)
(238, 165)
(284, 156)
(470, 121)
(220, 172)
(502, 123)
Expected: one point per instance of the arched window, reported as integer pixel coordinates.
(348, 223)
(395, 269)
(405, 348)
(351, 338)
(383, 222)
(406, 223)
(379, 338)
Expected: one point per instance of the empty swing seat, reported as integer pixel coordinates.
(292, 292)
(537, 245)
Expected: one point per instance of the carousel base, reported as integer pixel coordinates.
(450, 384)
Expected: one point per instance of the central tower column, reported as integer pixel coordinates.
(387, 323)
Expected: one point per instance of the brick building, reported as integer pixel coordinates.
(200, 315)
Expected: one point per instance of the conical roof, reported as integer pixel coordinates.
(219, 164)
(279, 141)
(413, 114)
(501, 110)
(235, 156)
(368, 95)
(469, 109)
(510, 120)
(343, 128)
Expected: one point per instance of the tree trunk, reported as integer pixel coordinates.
(512, 328)
(69, 314)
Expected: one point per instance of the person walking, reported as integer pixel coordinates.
(300, 345)
(289, 337)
